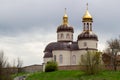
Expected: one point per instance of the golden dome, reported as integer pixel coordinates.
(87, 14)
(87, 17)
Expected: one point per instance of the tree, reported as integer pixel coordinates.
(112, 49)
(92, 62)
(19, 64)
(5, 74)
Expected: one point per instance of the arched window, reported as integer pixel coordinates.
(84, 27)
(85, 44)
(81, 58)
(54, 57)
(87, 26)
(68, 36)
(61, 59)
(58, 36)
(73, 59)
(62, 36)
(96, 45)
(72, 36)
(91, 26)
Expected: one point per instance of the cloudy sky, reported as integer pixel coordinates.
(27, 26)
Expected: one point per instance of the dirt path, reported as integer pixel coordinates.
(20, 78)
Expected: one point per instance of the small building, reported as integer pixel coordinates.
(32, 68)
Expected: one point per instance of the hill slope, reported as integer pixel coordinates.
(74, 75)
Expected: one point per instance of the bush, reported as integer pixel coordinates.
(51, 66)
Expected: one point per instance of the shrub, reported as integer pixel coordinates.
(51, 66)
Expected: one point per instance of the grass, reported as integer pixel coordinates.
(18, 74)
(74, 75)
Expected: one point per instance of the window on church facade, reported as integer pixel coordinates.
(61, 59)
(84, 26)
(81, 58)
(58, 36)
(68, 36)
(72, 36)
(54, 57)
(85, 44)
(73, 59)
(62, 36)
(87, 26)
(91, 26)
(96, 45)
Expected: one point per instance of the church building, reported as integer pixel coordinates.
(66, 52)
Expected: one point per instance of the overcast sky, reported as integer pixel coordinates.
(27, 26)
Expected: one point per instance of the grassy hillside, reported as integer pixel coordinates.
(74, 75)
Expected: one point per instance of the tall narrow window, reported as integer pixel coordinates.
(87, 26)
(96, 45)
(73, 59)
(85, 44)
(58, 36)
(91, 26)
(72, 36)
(61, 59)
(68, 36)
(81, 58)
(54, 57)
(62, 36)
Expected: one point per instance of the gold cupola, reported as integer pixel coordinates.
(65, 18)
(87, 16)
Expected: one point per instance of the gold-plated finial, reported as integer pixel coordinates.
(87, 6)
(65, 14)
(65, 10)
(65, 18)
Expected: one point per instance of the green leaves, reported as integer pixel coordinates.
(51, 66)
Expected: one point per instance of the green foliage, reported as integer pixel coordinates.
(5, 73)
(74, 75)
(92, 62)
(51, 66)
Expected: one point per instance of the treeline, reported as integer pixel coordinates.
(7, 69)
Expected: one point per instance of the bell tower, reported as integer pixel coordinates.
(87, 21)
(87, 39)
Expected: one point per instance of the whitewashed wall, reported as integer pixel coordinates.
(90, 44)
(65, 38)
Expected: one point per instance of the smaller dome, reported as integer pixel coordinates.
(60, 46)
(57, 46)
(87, 35)
(48, 54)
(65, 28)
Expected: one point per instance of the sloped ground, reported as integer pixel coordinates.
(74, 75)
